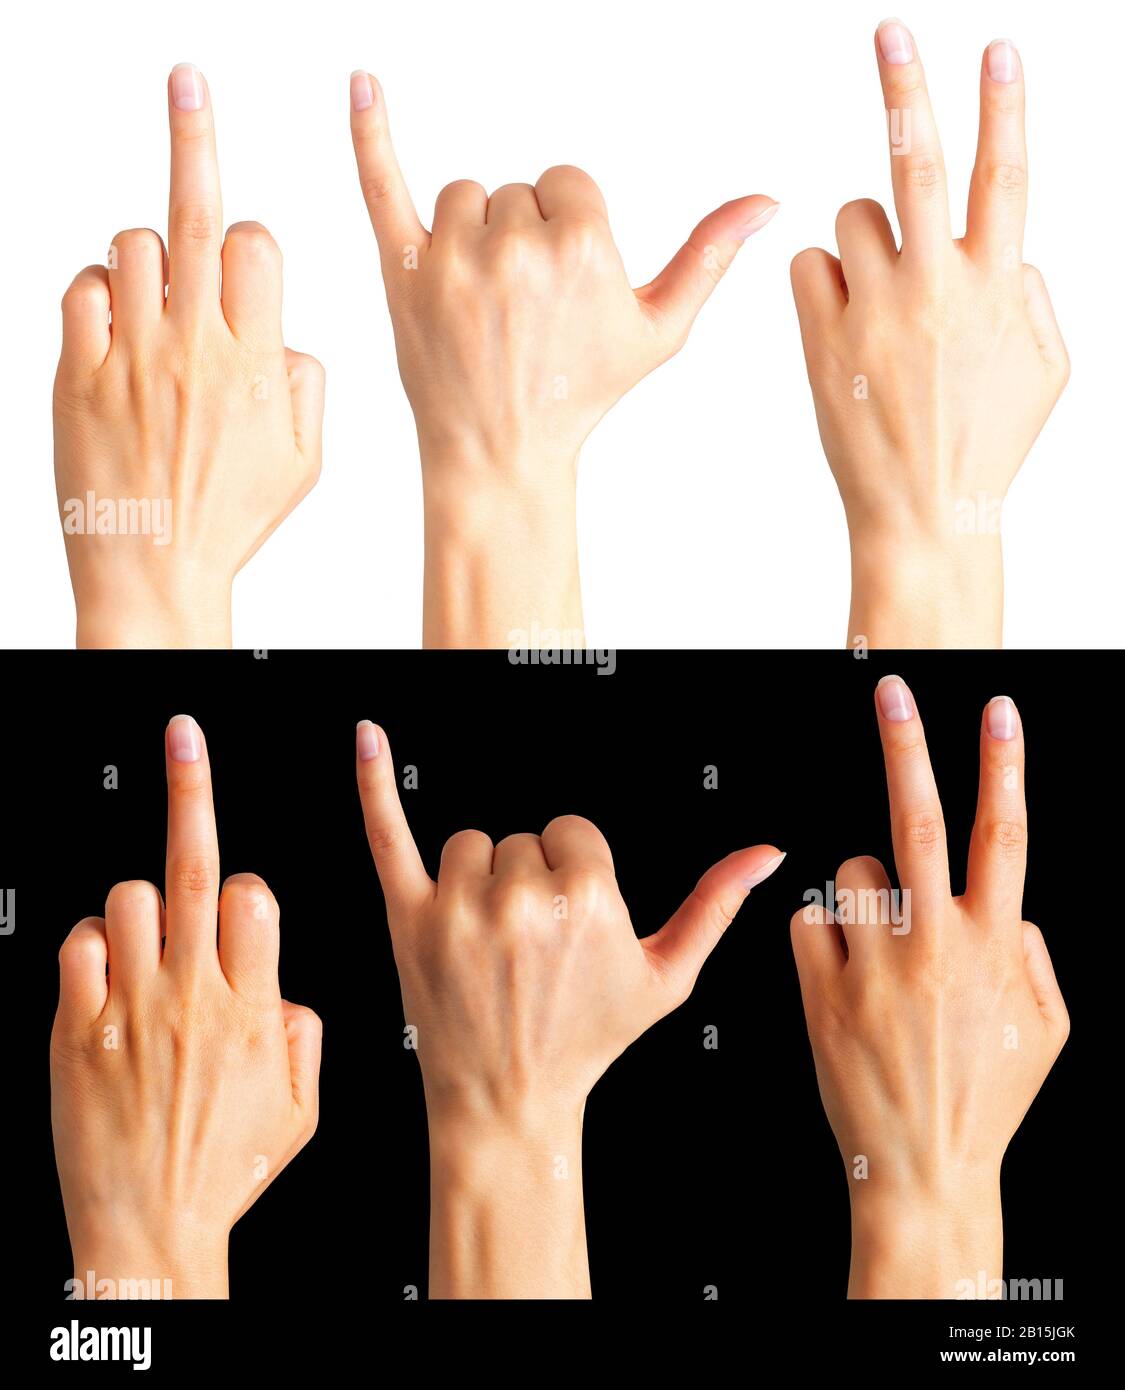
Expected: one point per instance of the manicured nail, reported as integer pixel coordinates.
(895, 43)
(762, 872)
(749, 228)
(183, 739)
(187, 87)
(1000, 718)
(362, 92)
(895, 700)
(1003, 61)
(366, 740)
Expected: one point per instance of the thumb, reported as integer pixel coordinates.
(1044, 325)
(303, 1032)
(683, 286)
(677, 951)
(306, 397)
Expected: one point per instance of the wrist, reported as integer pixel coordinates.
(507, 1218)
(926, 1240)
(123, 618)
(922, 591)
(502, 562)
(185, 1263)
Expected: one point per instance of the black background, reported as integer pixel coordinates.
(700, 1167)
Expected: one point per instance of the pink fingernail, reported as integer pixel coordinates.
(895, 701)
(184, 742)
(363, 94)
(895, 43)
(762, 872)
(1000, 718)
(187, 87)
(366, 740)
(749, 228)
(1003, 61)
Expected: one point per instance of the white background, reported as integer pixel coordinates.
(708, 516)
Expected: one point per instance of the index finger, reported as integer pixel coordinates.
(917, 826)
(195, 205)
(191, 875)
(405, 882)
(396, 225)
(917, 168)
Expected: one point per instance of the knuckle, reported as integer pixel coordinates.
(561, 823)
(87, 287)
(922, 831)
(195, 222)
(134, 892)
(564, 171)
(255, 240)
(80, 941)
(520, 898)
(382, 838)
(1004, 177)
(583, 887)
(249, 890)
(922, 173)
(904, 82)
(462, 186)
(138, 241)
(464, 839)
(714, 910)
(1006, 837)
(857, 209)
(376, 188)
(194, 875)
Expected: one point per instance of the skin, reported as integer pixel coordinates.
(181, 1082)
(516, 330)
(930, 1044)
(519, 1010)
(961, 361)
(191, 399)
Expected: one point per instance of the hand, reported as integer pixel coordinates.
(933, 1021)
(187, 431)
(933, 367)
(181, 1082)
(516, 331)
(523, 978)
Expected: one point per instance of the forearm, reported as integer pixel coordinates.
(913, 593)
(924, 1245)
(506, 1213)
(502, 567)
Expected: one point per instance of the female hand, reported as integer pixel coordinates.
(934, 1020)
(522, 979)
(517, 330)
(933, 366)
(186, 431)
(181, 1082)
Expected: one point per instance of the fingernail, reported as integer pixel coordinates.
(187, 87)
(761, 873)
(749, 228)
(895, 701)
(363, 94)
(1000, 718)
(183, 739)
(1003, 61)
(895, 43)
(366, 740)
